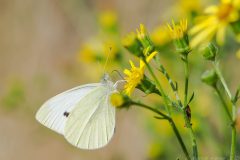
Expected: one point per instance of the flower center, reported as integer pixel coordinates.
(224, 11)
(136, 75)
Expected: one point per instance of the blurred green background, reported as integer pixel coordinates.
(42, 44)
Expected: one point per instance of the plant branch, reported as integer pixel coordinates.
(171, 122)
(187, 119)
(224, 104)
(223, 82)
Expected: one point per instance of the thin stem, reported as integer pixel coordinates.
(233, 144)
(184, 108)
(160, 88)
(219, 73)
(187, 119)
(150, 108)
(186, 70)
(170, 81)
(224, 104)
(194, 144)
(233, 140)
(179, 138)
(172, 123)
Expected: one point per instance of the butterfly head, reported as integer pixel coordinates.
(106, 80)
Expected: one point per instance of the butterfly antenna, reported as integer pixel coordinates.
(108, 55)
(99, 67)
(117, 73)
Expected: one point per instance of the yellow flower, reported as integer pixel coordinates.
(215, 22)
(108, 19)
(110, 46)
(129, 39)
(87, 54)
(178, 31)
(116, 99)
(179, 35)
(141, 33)
(160, 36)
(144, 38)
(187, 8)
(135, 74)
(132, 44)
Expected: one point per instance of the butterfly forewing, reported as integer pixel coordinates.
(55, 112)
(91, 123)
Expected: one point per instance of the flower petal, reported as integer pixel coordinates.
(205, 35)
(203, 24)
(127, 72)
(148, 59)
(132, 64)
(221, 34)
(211, 9)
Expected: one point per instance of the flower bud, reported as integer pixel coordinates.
(132, 44)
(108, 21)
(119, 100)
(210, 77)
(147, 86)
(179, 36)
(210, 51)
(144, 38)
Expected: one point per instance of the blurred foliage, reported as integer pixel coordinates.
(14, 96)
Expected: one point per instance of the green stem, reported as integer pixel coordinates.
(187, 119)
(220, 76)
(160, 88)
(170, 81)
(233, 144)
(194, 144)
(233, 140)
(150, 108)
(224, 104)
(179, 138)
(186, 70)
(172, 123)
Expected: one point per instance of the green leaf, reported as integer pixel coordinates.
(236, 97)
(192, 97)
(161, 118)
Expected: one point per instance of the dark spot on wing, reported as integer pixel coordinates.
(66, 114)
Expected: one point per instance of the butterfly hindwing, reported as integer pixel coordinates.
(55, 112)
(91, 123)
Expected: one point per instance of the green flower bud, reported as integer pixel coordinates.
(147, 86)
(210, 77)
(132, 44)
(210, 51)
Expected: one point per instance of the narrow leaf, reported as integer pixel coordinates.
(190, 100)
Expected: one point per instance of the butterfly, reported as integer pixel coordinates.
(83, 115)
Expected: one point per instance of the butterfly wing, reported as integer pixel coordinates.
(91, 123)
(54, 112)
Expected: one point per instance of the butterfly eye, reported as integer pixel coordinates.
(66, 114)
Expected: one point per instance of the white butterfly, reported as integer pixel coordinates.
(83, 115)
